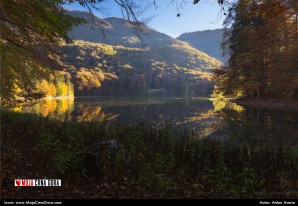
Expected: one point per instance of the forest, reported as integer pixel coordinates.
(116, 109)
(99, 69)
(263, 45)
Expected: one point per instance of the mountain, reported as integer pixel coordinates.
(127, 65)
(207, 41)
(116, 31)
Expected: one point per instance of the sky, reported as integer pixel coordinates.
(202, 16)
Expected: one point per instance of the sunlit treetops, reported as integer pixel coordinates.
(100, 69)
(263, 41)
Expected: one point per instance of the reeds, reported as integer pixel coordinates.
(161, 162)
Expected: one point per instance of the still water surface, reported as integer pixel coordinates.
(199, 114)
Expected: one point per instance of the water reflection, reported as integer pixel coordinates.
(60, 109)
(220, 104)
(260, 127)
(173, 110)
(220, 118)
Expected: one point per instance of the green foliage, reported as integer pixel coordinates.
(294, 154)
(244, 184)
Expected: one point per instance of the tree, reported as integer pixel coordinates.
(29, 31)
(46, 88)
(262, 41)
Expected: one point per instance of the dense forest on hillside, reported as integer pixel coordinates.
(95, 69)
(99, 69)
(114, 61)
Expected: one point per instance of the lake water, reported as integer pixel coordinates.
(196, 114)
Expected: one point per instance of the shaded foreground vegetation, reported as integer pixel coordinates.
(147, 163)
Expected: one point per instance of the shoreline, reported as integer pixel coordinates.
(270, 104)
(58, 97)
(22, 102)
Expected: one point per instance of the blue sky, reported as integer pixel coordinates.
(202, 16)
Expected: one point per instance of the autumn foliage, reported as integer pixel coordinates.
(263, 42)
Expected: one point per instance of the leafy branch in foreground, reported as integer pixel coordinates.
(29, 31)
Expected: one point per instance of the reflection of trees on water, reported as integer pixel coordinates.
(220, 104)
(90, 112)
(186, 113)
(255, 127)
(60, 109)
(177, 112)
(66, 110)
(209, 122)
(213, 120)
(219, 118)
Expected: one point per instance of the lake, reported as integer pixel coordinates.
(195, 114)
(191, 113)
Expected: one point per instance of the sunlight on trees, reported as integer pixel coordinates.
(263, 41)
(29, 30)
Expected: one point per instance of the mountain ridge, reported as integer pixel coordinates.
(116, 31)
(208, 41)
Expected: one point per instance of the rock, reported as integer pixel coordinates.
(112, 145)
(89, 164)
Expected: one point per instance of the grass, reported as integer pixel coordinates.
(152, 162)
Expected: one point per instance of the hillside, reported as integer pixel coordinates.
(100, 69)
(208, 41)
(165, 66)
(116, 31)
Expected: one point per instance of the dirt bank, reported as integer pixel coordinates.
(272, 104)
